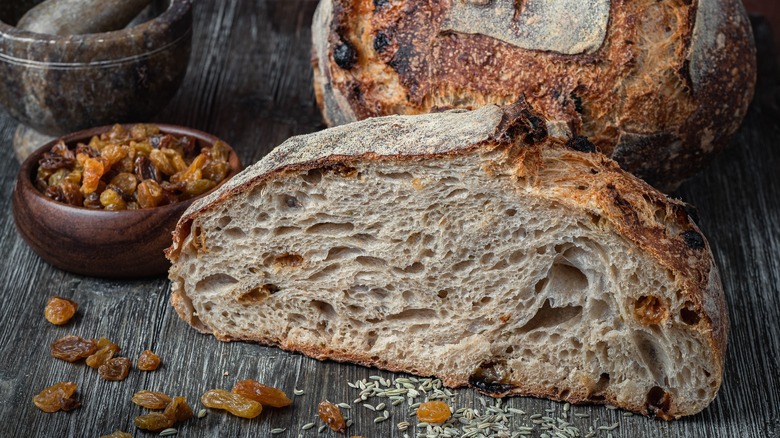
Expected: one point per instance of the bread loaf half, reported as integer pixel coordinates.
(659, 86)
(481, 247)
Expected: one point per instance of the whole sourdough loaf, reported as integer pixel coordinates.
(659, 86)
(484, 247)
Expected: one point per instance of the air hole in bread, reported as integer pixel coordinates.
(395, 176)
(658, 401)
(342, 252)
(598, 390)
(219, 282)
(462, 266)
(259, 232)
(414, 268)
(312, 177)
(443, 293)
(548, 316)
(510, 212)
(325, 309)
(540, 285)
(234, 233)
(371, 262)
(688, 315)
(456, 193)
(371, 338)
(324, 272)
(330, 228)
(224, 221)
(288, 202)
(652, 355)
(281, 231)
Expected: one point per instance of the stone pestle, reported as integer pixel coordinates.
(78, 17)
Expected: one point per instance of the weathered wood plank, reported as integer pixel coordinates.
(250, 83)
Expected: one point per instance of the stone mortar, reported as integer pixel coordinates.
(60, 84)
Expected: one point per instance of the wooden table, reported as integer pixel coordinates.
(250, 83)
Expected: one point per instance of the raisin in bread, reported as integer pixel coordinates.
(659, 86)
(486, 248)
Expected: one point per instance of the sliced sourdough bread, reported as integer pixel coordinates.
(485, 248)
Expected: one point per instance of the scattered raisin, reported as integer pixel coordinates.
(148, 361)
(115, 369)
(73, 348)
(59, 310)
(178, 410)
(265, 395)
(331, 415)
(236, 404)
(118, 434)
(106, 350)
(55, 397)
(155, 422)
(151, 399)
(433, 412)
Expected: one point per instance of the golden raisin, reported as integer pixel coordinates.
(236, 404)
(110, 199)
(117, 434)
(115, 369)
(73, 348)
(55, 397)
(434, 412)
(148, 361)
(126, 181)
(149, 194)
(331, 415)
(178, 410)
(94, 169)
(265, 395)
(59, 310)
(155, 422)
(151, 399)
(649, 310)
(106, 350)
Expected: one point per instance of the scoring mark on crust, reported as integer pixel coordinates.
(569, 27)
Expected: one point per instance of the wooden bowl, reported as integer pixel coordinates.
(100, 243)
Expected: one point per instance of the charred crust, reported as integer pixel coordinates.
(381, 41)
(520, 122)
(693, 239)
(345, 55)
(581, 143)
(402, 60)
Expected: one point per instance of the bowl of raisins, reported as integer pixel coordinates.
(103, 202)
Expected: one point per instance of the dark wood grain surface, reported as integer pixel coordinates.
(249, 83)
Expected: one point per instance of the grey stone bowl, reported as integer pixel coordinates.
(60, 84)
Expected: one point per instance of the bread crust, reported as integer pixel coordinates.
(658, 225)
(660, 93)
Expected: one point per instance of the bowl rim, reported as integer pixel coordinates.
(30, 165)
(176, 10)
